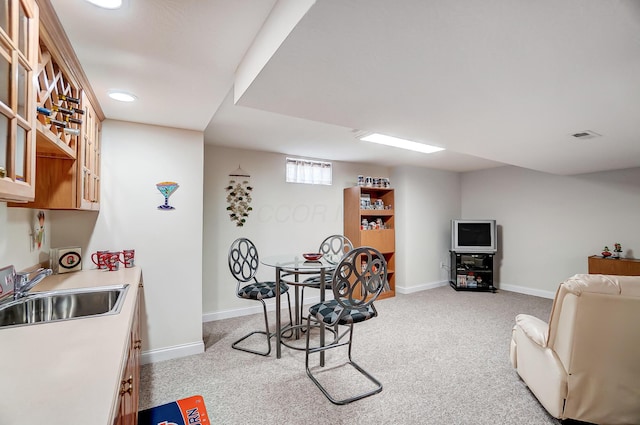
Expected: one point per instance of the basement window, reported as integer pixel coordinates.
(307, 171)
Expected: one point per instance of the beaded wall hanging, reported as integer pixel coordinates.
(239, 196)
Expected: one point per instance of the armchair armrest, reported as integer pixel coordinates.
(535, 329)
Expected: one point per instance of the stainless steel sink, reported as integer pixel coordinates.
(53, 306)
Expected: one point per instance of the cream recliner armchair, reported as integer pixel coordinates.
(585, 363)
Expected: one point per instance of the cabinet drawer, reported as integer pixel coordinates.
(382, 240)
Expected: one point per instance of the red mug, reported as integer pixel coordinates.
(112, 260)
(129, 257)
(99, 258)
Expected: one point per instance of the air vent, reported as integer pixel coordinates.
(587, 134)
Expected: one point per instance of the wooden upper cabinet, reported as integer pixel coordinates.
(18, 63)
(68, 124)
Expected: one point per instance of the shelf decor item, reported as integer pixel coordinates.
(606, 253)
(167, 189)
(239, 196)
(617, 250)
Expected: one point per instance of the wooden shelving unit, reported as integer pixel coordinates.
(382, 239)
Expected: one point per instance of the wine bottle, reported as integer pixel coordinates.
(69, 99)
(78, 111)
(43, 111)
(57, 123)
(65, 111)
(72, 131)
(71, 119)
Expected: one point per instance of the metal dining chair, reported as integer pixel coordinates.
(243, 264)
(333, 249)
(357, 282)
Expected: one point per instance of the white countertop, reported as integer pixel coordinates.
(67, 372)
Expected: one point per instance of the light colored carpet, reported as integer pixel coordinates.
(441, 355)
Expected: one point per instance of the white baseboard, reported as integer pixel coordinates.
(174, 352)
(528, 291)
(422, 287)
(256, 308)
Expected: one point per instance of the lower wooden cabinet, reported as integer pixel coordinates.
(130, 382)
(613, 266)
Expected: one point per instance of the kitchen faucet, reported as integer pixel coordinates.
(23, 284)
(19, 283)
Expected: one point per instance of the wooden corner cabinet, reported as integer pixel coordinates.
(614, 266)
(472, 271)
(374, 206)
(18, 64)
(67, 126)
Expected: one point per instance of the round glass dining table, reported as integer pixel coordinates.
(293, 270)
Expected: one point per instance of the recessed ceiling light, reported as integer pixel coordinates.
(400, 143)
(121, 96)
(107, 4)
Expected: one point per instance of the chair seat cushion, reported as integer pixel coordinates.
(314, 281)
(261, 290)
(329, 311)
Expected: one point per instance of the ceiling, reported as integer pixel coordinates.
(494, 82)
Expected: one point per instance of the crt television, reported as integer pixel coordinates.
(474, 236)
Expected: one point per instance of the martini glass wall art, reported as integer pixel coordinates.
(166, 188)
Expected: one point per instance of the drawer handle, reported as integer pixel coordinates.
(137, 344)
(129, 384)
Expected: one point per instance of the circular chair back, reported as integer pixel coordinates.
(359, 278)
(334, 247)
(243, 260)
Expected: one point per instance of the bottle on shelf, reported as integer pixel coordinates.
(74, 120)
(72, 131)
(69, 98)
(55, 122)
(43, 111)
(65, 111)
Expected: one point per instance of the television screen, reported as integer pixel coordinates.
(474, 234)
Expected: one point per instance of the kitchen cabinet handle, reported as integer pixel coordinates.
(129, 384)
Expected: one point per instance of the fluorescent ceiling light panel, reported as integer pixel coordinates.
(121, 96)
(107, 4)
(400, 143)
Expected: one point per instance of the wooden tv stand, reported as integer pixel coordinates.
(614, 266)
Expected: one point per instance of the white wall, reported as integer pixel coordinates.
(286, 218)
(16, 246)
(426, 201)
(550, 224)
(168, 244)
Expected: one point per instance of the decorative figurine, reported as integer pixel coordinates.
(617, 250)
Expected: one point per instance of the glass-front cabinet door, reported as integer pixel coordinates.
(18, 60)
